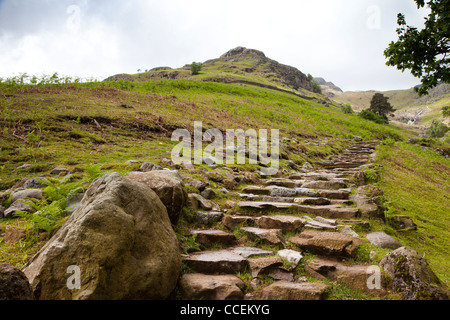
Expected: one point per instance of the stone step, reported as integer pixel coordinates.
(249, 252)
(217, 262)
(330, 211)
(313, 201)
(197, 286)
(232, 222)
(325, 185)
(354, 276)
(285, 223)
(269, 236)
(285, 290)
(334, 194)
(326, 243)
(281, 182)
(210, 238)
(265, 205)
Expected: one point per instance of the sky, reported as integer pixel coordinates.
(341, 41)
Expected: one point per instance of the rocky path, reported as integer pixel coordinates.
(274, 225)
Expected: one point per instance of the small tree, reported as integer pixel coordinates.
(369, 115)
(437, 129)
(196, 67)
(380, 106)
(346, 108)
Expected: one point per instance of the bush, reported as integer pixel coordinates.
(369, 115)
(437, 129)
(346, 108)
(196, 67)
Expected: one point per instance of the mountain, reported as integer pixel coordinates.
(238, 65)
(328, 88)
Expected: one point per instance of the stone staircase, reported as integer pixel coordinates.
(275, 223)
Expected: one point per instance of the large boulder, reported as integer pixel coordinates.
(121, 242)
(14, 284)
(412, 277)
(169, 187)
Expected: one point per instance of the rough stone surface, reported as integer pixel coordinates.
(292, 256)
(211, 287)
(263, 265)
(19, 205)
(403, 223)
(208, 218)
(14, 284)
(285, 223)
(327, 243)
(231, 222)
(367, 204)
(272, 236)
(122, 241)
(412, 277)
(59, 170)
(382, 240)
(217, 262)
(248, 252)
(284, 290)
(170, 189)
(209, 238)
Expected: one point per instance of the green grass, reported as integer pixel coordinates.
(416, 183)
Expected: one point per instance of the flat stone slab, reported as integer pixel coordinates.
(334, 194)
(263, 265)
(232, 222)
(272, 236)
(382, 240)
(265, 205)
(217, 262)
(197, 286)
(313, 201)
(326, 243)
(257, 190)
(354, 276)
(285, 290)
(281, 182)
(249, 252)
(330, 211)
(209, 238)
(285, 223)
(328, 185)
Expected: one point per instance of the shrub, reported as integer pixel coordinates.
(346, 108)
(196, 67)
(437, 129)
(369, 115)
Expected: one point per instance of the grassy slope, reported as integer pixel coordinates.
(78, 125)
(416, 183)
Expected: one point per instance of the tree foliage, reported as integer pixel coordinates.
(380, 106)
(437, 129)
(196, 67)
(425, 52)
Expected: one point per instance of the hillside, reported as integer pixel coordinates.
(342, 181)
(410, 107)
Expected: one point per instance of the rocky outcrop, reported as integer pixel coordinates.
(120, 240)
(411, 276)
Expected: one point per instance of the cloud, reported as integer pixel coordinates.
(340, 40)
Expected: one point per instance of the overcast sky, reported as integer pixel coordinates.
(340, 40)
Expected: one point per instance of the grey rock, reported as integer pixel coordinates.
(249, 252)
(73, 203)
(122, 241)
(208, 193)
(208, 218)
(35, 183)
(412, 277)
(292, 256)
(19, 205)
(59, 170)
(217, 262)
(382, 240)
(148, 166)
(28, 194)
(170, 189)
(403, 223)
